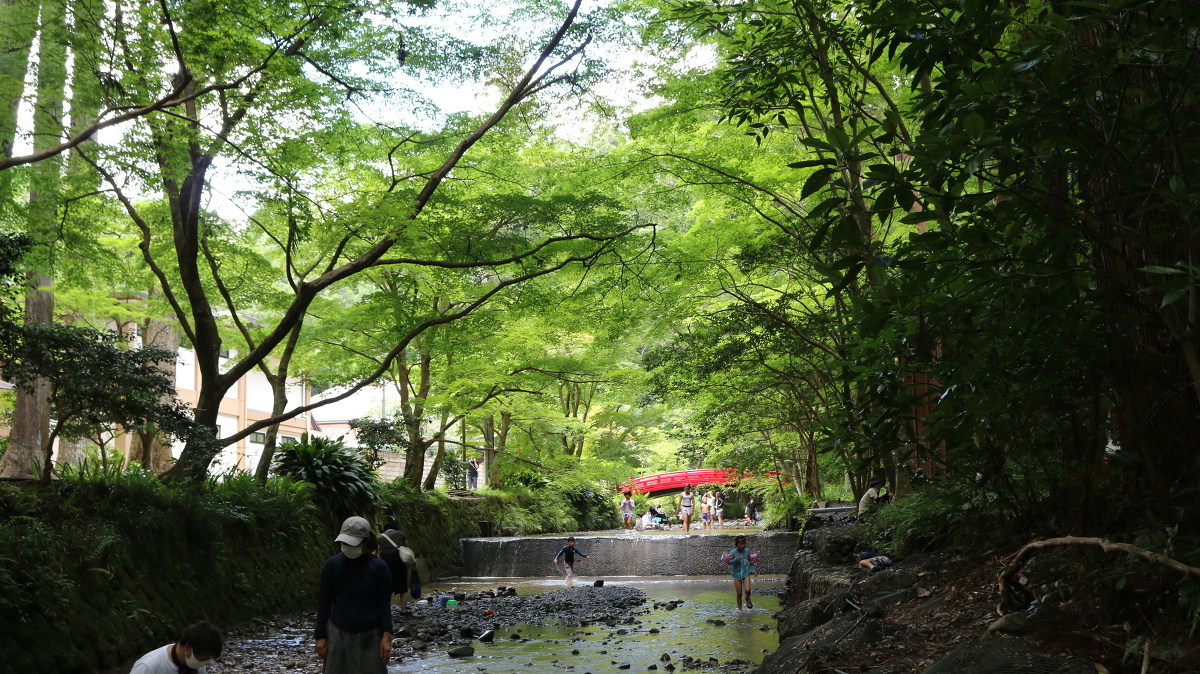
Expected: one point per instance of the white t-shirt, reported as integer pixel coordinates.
(627, 508)
(158, 661)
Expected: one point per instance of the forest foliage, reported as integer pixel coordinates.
(948, 243)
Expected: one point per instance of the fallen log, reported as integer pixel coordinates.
(1009, 587)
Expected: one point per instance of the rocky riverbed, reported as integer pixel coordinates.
(688, 625)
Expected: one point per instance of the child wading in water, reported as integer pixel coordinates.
(568, 556)
(741, 564)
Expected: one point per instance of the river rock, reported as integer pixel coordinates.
(599, 583)
(487, 636)
(1013, 623)
(461, 651)
(652, 667)
(666, 657)
(623, 665)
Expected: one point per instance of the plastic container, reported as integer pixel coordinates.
(452, 604)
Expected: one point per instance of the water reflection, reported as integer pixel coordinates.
(683, 631)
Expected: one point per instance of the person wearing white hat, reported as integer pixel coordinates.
(354, 613)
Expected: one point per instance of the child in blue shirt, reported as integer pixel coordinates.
(567, 554)
(741, 568)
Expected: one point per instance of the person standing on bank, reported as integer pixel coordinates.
(197, 646)
(686, 501)
(627, 507)
(354, 611)
(751, 512)
(390, 542)
(472, 473)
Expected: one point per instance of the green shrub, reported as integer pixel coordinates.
(344, 482)
(135, 560)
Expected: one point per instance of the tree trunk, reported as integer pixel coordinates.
(31, 414)
(87, 17)
(147, 448)
(18, 25)
(501, 442)
(443, 425)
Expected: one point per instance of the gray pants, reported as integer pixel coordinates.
(353, 652)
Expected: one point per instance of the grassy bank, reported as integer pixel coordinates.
(99, 567)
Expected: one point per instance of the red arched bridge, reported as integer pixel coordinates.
(665, 484)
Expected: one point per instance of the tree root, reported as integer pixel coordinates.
(1010, 587)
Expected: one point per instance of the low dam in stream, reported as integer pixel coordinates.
(625, 554)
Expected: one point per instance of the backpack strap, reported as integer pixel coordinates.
(389, 540)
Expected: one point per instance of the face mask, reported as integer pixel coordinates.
(192, 662)
(352, 551)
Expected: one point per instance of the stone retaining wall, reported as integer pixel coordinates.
(624, 555)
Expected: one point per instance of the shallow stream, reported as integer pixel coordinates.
(284, 643)
(683, 631)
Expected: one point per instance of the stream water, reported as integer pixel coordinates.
(683, 631)
(688, 630)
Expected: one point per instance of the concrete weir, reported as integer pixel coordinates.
(625, 555)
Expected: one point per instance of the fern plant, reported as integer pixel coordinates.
(343, 483)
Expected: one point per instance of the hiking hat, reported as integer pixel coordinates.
(354, 530)
(875, 479)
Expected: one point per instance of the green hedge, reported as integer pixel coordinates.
(98, 568)
(433, 522)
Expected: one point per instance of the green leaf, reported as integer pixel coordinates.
(808, 163)
(973, 125)
(1177, 185)
(1155, 269)
(816, 181)
(1172, 296)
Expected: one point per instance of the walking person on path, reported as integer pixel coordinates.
(741, 567)
(686, 499)
(197, 646)
(751, 512)
(719, 510)
(390, 542)
(567, 554)
(354, 608)
(627, 510)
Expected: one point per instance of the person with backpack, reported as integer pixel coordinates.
(400, 561)
(354, 608)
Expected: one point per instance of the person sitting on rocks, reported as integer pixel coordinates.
(197, 646)
(874, 561)
(869, 499)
